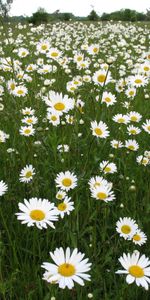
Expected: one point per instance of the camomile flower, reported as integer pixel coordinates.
(107, 167)
(27, 173)
(28, 111)
(121, 119)
(3, 188)
(27, 130)
(103, 193)
(132, 130)
(134, 116)
(23, 52)
(138, 80)
(61, 104)
(126, 227)
(98, 181)
(30, 120)
(132, 145)
(146, 126)
(102, 77)
(3, 136)
(93, 49)
(65, 207)
(100, 130)
(53, 117)
(137, 268)
(20, 91)
(78, 57)
(11, 85)
(54, 53)
(60, 195)
(116, 144)
(43, 46)
(143, 160)
(38, 212)
(139, 238)
(130, 92)
(68, 268)
(83, 64)
(66, 180)
(108, 98)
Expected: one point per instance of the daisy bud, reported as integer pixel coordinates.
(132, 188)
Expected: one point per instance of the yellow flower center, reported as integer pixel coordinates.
(37, 215)
(29, 121)
(126, 229)
(133, 131)
(20, 92)
(67, 182)
(146, 69)
(101, 196)
(59, 106)
(121, 120)
(62, 206)
(136, 237)
(53, 118)
(79, 58)
(138, 81)
(107, 169)
(98, 131)
(133, 118)
(54, 54)
(136, 271)
(44, 47)
(66, 270)
(12, 86)
(107, 99)
(95, 50)
(131, 147)
(131, 93)
(101, 78)
(23, 53)
(27, 131)
(148, 127)
(28, 174)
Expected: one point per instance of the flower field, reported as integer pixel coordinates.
(75, 161)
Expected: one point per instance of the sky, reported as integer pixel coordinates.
(77, 7)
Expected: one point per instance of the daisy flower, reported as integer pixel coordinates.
(107, 167)
(116, 144)
(142, 160)
(138, 81)
(27, 173)
(137, 268)
(97, 181)
(126, 227)
(132, 145)
(122, 119)
(30, 120)
(61, 104)
(103, 193)
(66, 180)
(68, 268)
(60, 195)
(65, 207)
(134, 116)
(108, 98)
(27, 130)
(54, 53)
(130, 92)
(3, 188)
(38, 212)
(100, 129)
(20, 91)
(146, 126)
(102, 77)
(132, 130)
(139, 238)
(28, 111)
(93, 49)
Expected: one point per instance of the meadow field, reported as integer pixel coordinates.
(75, 161)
